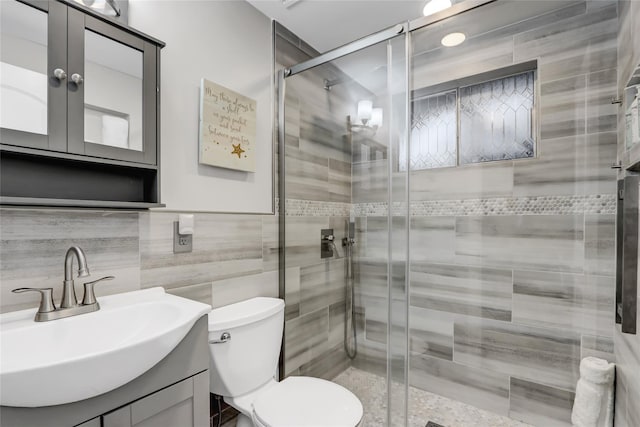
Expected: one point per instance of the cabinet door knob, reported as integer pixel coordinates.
(59, 74)
(77, 78)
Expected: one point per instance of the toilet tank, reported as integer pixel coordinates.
(250, 358)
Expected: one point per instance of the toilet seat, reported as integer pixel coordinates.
(307, 402)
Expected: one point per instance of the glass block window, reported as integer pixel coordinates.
(483, 122)
(496, 119)
(434, 132)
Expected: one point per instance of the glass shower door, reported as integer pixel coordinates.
(343, 203)
(512, 210)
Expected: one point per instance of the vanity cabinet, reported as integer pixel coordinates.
(173, 393)
(178, 405)
(80, 108)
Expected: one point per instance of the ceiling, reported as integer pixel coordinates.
(327, 24)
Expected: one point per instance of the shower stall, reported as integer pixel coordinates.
(447, 213)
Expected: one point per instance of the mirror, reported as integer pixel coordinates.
(23, 68)
(112, 93)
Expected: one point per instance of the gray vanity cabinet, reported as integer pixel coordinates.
(81, 108)
(182, 404)
(173, 393)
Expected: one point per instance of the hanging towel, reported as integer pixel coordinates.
(593, 405)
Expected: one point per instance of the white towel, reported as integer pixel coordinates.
(593, 405)
(115, 131)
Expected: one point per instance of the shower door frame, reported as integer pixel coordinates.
(387, 34)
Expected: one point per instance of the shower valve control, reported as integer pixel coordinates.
(327, 244)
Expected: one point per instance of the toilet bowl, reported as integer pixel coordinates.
(244, 349)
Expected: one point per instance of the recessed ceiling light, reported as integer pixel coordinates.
(453, 39)
(434, 6)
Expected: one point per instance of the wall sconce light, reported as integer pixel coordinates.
(368, 118)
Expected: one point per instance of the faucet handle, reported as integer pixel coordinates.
(89, 293)
(46, 298)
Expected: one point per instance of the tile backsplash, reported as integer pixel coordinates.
(226, 265)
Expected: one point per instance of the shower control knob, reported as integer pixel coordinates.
(59, 74)
(77, 78)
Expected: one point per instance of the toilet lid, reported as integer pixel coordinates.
(307, 402)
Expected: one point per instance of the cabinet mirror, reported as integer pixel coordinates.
(23, 68)
(113, 87)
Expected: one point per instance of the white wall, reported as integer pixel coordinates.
(227, 42)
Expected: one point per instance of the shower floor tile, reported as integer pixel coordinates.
(371, 389)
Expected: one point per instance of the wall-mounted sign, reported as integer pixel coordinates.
(227, 128)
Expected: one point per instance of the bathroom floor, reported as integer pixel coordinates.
(423, 406)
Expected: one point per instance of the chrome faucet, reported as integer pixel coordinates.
(68, 290)
(69, 304)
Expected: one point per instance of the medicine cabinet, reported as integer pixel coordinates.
(80, 108)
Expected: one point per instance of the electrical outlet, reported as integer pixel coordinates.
(182, 243)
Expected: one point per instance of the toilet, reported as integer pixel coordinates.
(244, 347)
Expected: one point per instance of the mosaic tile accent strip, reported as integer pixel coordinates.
(601, 204)
(296, 207)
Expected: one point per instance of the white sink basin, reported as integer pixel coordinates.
(72, 359)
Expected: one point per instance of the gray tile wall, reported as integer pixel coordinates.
(512, 263)
(33, 244)
(627, 347)
(318, 196)
(229, 262)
